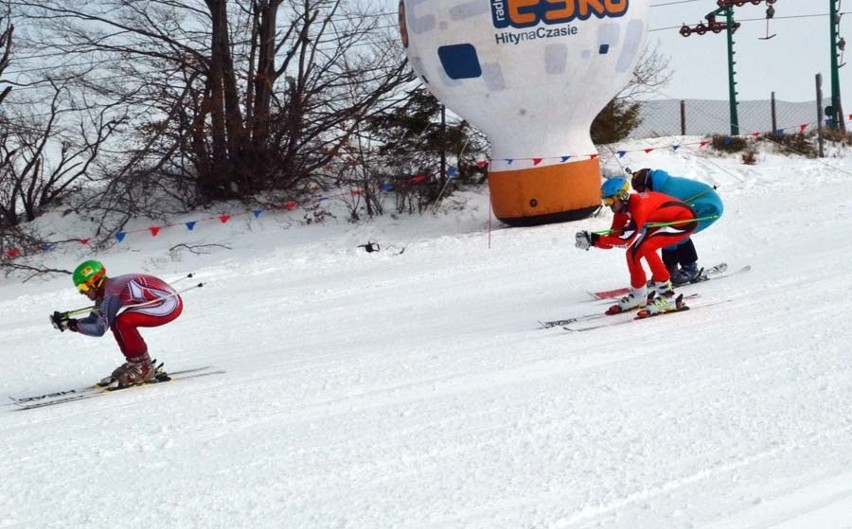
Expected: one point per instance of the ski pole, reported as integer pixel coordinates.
(178, 280)
(157, 300)
(151, 302)
(78, 311)
(660, 224)
(701, 194)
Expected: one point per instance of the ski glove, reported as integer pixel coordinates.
(585, 240)
(61, 321)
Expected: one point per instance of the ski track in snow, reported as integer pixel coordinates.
(415, 389)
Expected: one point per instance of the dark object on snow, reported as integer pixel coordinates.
(370, 247)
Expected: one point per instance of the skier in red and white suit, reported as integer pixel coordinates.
(636, 226)
(123, 304)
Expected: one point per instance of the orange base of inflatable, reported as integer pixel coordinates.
(545, 195)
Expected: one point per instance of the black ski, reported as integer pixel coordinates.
(61, 397)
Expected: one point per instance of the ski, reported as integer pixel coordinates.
(593, 316)
(559, 323)
(61, 397)
(93, 387)
(636, 317)
(715, 272)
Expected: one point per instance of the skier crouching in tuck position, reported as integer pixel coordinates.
(682, 258)
(643, 223)
(147, 301)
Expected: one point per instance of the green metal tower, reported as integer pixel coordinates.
(835, 111)
(726, 8)
(732, 84)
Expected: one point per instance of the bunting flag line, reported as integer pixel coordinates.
(452, 172)
(223, 218)
(153, 231)
(621, 153)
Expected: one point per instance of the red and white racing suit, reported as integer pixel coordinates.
(161, 305)
(630, 230)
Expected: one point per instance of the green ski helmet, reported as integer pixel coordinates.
(90, 274)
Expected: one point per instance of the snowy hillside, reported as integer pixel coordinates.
(414, 389)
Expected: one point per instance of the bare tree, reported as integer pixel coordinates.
(42, 159)
(6, 31)
(41, 156)
(650, 74)
(621, 115)
(230, 97)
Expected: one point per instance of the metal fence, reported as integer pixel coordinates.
(672, 117)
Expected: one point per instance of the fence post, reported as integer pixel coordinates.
(819, 114)
(774, 115)
(682, 117)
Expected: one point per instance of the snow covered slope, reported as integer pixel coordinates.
(414, 389)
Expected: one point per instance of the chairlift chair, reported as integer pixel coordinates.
(770, 13)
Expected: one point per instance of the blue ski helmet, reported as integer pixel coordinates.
(615, 188)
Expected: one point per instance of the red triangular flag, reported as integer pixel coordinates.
(84, 241)
(536, 161)
(648, 149)
(154, 230)
(224, 217)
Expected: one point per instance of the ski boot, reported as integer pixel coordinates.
(635, 299)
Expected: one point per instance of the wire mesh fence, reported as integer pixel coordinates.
(673, 117)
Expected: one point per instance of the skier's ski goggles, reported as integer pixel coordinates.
(90, 284)
(93, 282)
(608, 201)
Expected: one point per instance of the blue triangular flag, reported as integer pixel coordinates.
(191, 225)
(120, 236)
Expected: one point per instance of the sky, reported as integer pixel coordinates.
(413, 388)
(785, 64)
